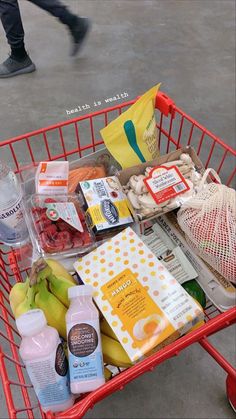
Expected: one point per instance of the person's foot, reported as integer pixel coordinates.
(12, 67)
(79, 33)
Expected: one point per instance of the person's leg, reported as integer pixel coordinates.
(78, 26)
(19, 61)
(57, 9)
(12, 24)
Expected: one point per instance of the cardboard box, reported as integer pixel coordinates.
(124, 175)
(142, 302)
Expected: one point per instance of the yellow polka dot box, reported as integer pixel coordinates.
(140, 299)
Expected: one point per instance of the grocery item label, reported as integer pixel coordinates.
(106, 203)
(178, 265)
(139, 314)
(49, 377)
(85, 353)
(52, 177)
(108, 213)
(154, 241)
(171, 256)
(165, 183)
(66, 211)
(12, 224)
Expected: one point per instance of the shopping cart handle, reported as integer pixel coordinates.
(165, 104)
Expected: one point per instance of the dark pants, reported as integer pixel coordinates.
(12, 23)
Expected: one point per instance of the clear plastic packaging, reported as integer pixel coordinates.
(58, 226)
(89, 168)
(84, 171)
(13, 229)
(84, 168)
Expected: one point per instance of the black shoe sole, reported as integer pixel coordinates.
(25, 70)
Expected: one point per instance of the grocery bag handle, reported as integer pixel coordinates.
(206, 174)
(197, 202)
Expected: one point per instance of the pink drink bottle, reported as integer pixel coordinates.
(43, 355)
(84, 341)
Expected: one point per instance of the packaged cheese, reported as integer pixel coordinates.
(105, 204)
(142, 302)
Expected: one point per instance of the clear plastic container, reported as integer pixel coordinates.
(58, 226)
(102, 160)
(13, 229)
(84, 171)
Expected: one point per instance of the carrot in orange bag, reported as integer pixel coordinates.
(84, 173)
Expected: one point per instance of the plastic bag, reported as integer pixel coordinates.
(209, 222)
(87, 171)
(132, 137)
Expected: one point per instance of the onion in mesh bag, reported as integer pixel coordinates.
(209, 222)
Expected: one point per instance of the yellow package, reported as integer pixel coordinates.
(141, 301)
(132, 137)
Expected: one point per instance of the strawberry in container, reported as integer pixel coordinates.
(58, 225)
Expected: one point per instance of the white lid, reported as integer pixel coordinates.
(31, 323)
(80, 290)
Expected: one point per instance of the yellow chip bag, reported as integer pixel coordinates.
(132, 137)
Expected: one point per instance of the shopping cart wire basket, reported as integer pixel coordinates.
(71, 140)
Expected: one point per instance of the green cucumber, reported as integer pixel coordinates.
(193, 288)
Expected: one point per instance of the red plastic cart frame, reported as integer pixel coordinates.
(171, 123)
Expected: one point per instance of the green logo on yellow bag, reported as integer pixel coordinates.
(132, 137)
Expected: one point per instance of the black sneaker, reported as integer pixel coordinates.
(79, 32)
(12, 67)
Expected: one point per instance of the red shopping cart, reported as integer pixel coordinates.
(75, 139)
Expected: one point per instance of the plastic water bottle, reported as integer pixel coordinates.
(13, 229)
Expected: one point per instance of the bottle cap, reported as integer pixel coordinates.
(80, 290)
(31, 323)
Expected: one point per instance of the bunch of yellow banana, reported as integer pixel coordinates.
(113, 351)
(47, 289)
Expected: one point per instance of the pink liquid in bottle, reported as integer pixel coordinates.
(42, 353)
(84, 341)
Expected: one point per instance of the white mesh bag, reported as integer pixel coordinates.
(208, 220)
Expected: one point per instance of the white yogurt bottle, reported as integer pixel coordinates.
(43, 355)
(84, 341)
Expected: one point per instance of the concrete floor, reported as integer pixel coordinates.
(187, 45)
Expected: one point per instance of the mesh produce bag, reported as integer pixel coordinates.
(209, 223)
